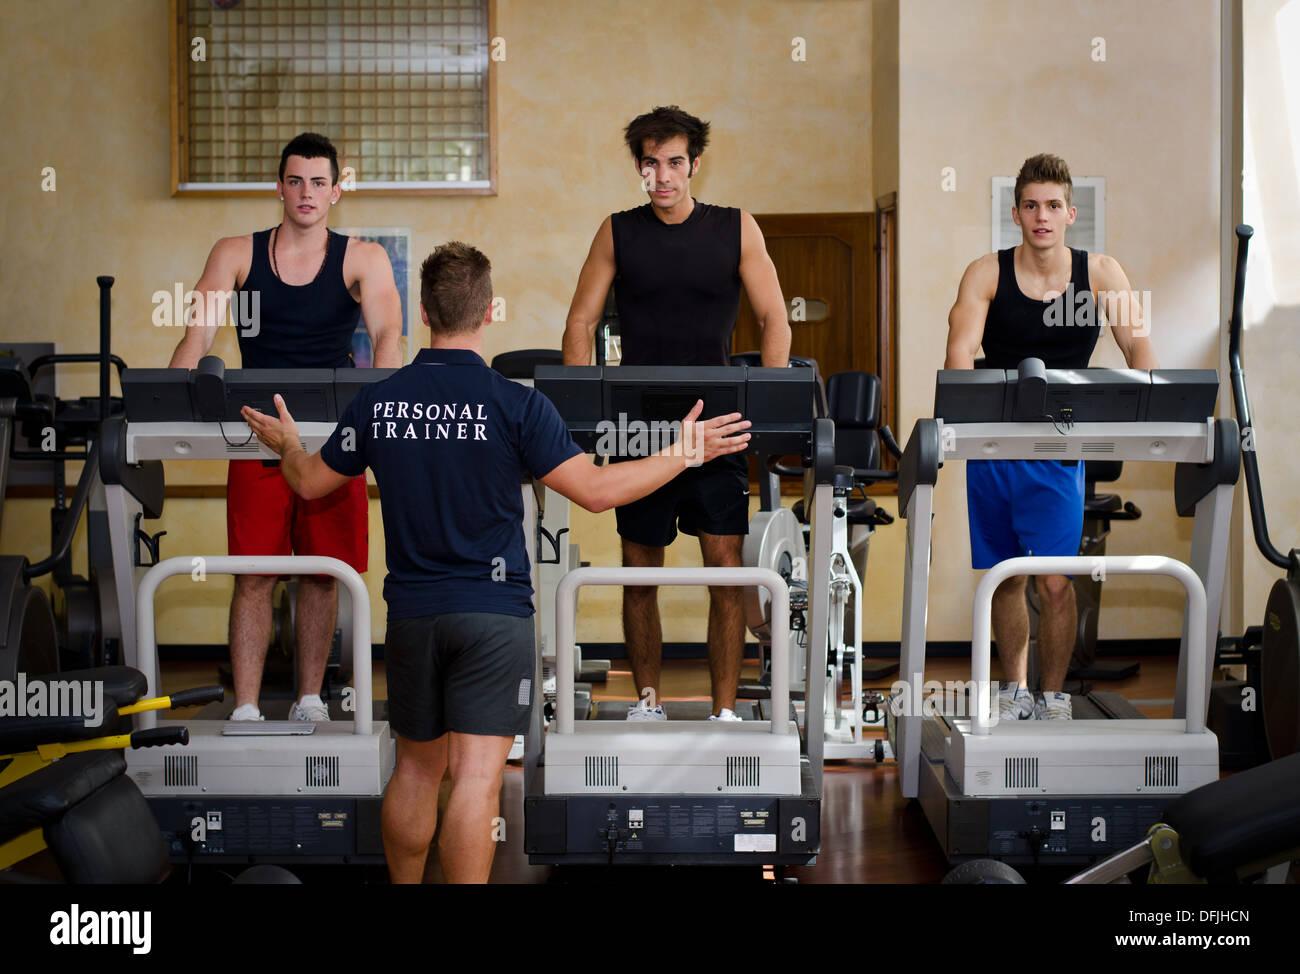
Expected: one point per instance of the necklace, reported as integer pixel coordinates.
(275, 239)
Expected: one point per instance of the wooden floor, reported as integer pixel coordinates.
(870, 833)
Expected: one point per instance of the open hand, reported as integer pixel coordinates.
(276, 432)
(703, 441)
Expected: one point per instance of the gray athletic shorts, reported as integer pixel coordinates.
(468, 672)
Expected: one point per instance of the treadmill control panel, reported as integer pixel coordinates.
(267, 828)
(1064, 830)
(683, 828)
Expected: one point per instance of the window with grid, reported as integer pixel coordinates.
(401, 87)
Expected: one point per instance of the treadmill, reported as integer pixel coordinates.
(273, 791)
(687, 791)
(1041, 792)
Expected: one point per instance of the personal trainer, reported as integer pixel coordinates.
(449, 440)
(1040, 299)
(680, 265)
(308, 285)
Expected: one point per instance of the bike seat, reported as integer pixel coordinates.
(861, 511)
(1102, 504)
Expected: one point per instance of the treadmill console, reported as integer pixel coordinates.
(1032, 393)
(213, 393)
(593, 400)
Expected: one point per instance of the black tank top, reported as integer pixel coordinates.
(1062, 332)
(300, 327)
(677, 285)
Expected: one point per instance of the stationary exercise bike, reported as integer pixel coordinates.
(778, 539)
(79, 628)
(39, 427)
(1259, 718)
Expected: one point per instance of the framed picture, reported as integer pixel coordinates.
(1088, 232)
(397, 242)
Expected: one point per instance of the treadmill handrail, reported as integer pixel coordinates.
(1241, 403)
(147, 654)
(982, 622)
(566, 599)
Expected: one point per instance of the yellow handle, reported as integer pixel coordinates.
(140, 706)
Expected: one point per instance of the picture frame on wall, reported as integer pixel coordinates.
(396, 241)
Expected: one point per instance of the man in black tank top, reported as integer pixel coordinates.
(1038, 300)
(306, 286)
(680, 265)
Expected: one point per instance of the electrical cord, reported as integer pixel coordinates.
(222, 427)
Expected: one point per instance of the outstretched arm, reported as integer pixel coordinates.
(615, 484)
(308, 475)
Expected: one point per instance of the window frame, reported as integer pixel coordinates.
(179, 47)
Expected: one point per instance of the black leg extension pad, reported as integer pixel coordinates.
(1250, 817)
(110, 837)
(42, 796)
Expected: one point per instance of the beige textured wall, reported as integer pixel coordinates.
(979, 87)
(985, 85)
(1270, 31)
(884, 96)
(87, 92)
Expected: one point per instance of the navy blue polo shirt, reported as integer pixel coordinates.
(450, 441)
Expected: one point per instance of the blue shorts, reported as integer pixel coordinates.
(1023, 507)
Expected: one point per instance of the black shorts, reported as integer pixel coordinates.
(713, 498)
(468, 672)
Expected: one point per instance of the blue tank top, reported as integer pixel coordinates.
(299, 327)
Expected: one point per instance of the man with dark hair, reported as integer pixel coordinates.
(680, 265)
(449, 441)
(310, 145)
(309, 285)
(1037, 300)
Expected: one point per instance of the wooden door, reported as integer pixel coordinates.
(824, 262)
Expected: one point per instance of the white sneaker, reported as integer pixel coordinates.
(641, 712)
(247, 711)
(1054, 705)
(1015, 703)
(727, 714)
(310, 707)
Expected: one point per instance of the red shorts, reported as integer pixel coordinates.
(265, 517)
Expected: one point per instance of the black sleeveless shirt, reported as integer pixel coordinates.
(1062, 332)
(677, 285)
(300, 327)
